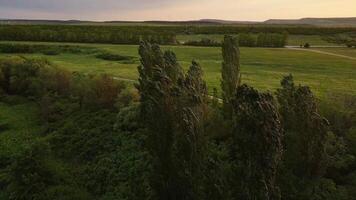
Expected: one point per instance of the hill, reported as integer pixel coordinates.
(351, 21)
(322, 22)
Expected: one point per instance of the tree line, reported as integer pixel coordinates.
(248, 40)
(170, 139)
(85, 34)
(155, 34)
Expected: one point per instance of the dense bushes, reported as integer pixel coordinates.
(205, 42)
(348, 39)
(113, 57)
(44, 49)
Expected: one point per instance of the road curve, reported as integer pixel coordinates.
(321, 52)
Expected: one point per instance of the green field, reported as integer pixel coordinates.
(261, 67)
(293, 40)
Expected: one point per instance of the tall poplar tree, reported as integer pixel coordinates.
(230, 72)
(258, 136)
(172, 108)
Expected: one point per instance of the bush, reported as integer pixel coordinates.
(66, 192)
(113, 57)
(205, 42)
(247, 40)
(30, 173)
(51, 52)
(16, 48)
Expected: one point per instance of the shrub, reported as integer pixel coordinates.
(113, 57)
(205, 42)
(30, 173)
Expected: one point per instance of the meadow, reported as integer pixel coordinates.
(262, 68)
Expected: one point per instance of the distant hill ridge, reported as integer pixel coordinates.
(338, 22)
(347, 21)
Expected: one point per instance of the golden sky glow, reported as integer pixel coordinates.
(175, 9)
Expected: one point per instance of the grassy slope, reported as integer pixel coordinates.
(261, 67)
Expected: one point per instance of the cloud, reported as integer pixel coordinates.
(78, 5)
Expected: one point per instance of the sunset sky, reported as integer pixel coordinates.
(137, 10)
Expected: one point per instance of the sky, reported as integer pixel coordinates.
(140, 10)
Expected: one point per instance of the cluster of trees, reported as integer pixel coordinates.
(169, 139)
(236, 29)
(86, 34)
(348, 39)
(249, 40)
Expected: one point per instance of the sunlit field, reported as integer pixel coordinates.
(263, 68)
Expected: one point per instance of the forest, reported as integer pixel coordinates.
(168, 137)
(276, 34)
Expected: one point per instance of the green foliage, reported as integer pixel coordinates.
(247, 40)
(30, 173)
(84, 136)
(311, 148)
(271, 40)
(123, 174)
(66, 192)
(205, 42)
(86, 34)
(172, 109)
(113, 57)
(16, 48)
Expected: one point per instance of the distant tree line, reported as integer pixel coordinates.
(155, 34)
(86, 34)
(348, 39)
(236, 29)
(171, 140)
(248, 40)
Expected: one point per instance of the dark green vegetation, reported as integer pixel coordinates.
(86, 34)
(76, 135)
(157, 34)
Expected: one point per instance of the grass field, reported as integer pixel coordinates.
(262, 68)
(293, 40)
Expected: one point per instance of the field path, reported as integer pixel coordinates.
(125, 79)
(323, 52)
